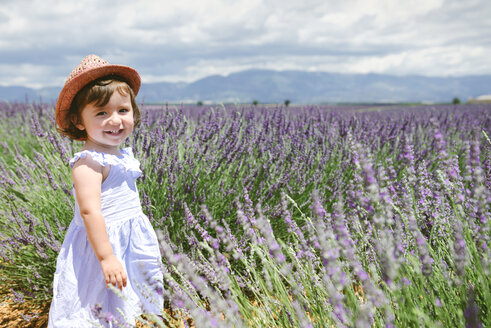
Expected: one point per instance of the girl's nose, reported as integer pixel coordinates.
(115, 119)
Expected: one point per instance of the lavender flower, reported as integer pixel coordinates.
(459, 254)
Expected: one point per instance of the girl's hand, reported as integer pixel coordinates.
(113, 272)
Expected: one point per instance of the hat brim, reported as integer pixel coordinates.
(72, 87)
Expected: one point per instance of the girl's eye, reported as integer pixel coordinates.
(123, 110)
(100, 113)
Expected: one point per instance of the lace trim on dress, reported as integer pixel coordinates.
(126, 160)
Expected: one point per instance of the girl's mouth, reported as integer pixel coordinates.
(114, 132)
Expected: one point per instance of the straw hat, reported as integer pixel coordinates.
(91, 68)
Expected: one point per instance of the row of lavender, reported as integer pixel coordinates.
(272, 216)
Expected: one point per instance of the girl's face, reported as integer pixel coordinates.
(108, 126)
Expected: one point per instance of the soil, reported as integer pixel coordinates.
(11, 314)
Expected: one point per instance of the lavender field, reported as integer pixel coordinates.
(312, 216)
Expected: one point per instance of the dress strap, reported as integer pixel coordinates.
(96, 156)
(126, 159)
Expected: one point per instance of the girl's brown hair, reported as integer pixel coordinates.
(97, 92)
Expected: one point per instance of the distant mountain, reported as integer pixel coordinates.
(22, 94)
(268, 86)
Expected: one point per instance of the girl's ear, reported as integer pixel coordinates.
(77, 123)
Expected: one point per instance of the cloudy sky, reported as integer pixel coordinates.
(168, 40)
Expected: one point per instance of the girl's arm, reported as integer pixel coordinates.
(87, 179)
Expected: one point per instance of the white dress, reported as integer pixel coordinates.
(78, 284)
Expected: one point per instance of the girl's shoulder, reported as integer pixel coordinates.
(96, 156)
(126, 159)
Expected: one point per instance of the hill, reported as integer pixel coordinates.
(267, 86)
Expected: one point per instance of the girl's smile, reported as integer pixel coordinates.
(108, 126)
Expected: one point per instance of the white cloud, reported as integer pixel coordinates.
(34, 76)
(189, 39)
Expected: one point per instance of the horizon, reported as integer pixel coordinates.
(298, 87)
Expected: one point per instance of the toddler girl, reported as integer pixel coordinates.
(109, 241)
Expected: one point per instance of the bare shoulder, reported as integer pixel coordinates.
(88, 170)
